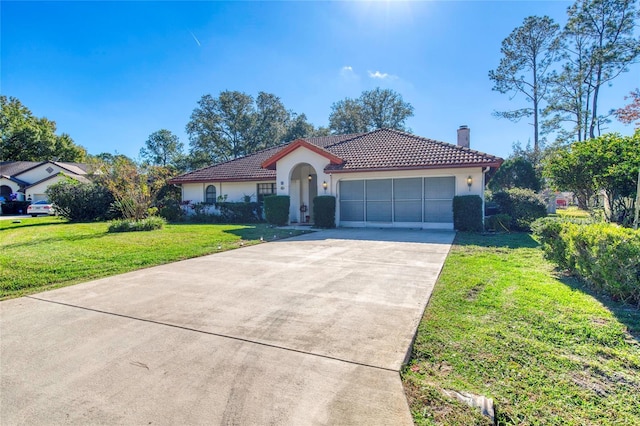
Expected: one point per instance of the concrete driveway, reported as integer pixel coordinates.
(309, 330)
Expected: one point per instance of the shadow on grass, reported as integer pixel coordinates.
(627, 314)
(12, 225)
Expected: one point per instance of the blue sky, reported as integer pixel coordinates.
(111, 73)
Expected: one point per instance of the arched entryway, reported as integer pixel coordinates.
(303, 188)
(5, 192)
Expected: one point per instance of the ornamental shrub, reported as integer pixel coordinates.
(245, 212)
(498, 222)
(81, 202)
(467, 213)
(523, 205)
(129, 225)
(324, 211)
(276, 209)
(606, 256)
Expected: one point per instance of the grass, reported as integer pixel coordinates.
(47, 252)
(573, 212)
(502, 323)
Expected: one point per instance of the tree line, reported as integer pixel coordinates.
(561, 72)
(221, 128)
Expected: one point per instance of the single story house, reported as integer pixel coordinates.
(380, 178)
(29, 180)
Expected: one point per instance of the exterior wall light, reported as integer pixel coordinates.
(310, 178)
(469, 182)
(324, 186)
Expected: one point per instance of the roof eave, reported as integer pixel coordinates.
(431, 167)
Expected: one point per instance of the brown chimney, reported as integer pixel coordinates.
(463, 136)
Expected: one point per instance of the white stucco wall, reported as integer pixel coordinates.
(40, 173)
(235, 191)
(6, 182)
(37, 192)
(302, 155)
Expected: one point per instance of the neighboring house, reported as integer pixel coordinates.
(30, 179)
(381, 178)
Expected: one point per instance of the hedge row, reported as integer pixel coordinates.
(606, 256)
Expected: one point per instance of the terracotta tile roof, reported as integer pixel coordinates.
(386, 149)
(240, 169)
(382, 149)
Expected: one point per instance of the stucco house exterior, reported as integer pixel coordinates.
(384, 178)
(29, 180)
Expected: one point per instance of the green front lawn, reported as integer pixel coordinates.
(47, 252)
(502, 323)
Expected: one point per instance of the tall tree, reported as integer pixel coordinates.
(219, 127)
(528, 54)
(599, 46)
(24, 137)
(271, 120)
(234, 125)
(630, 112)
(374, 109)
(162, 148)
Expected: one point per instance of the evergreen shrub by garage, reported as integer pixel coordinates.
(523, 205)
(605, 255)
(467, 213)
(81, 202)
(324, 211)
(276, 209)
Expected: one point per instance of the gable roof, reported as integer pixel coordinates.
(271, 162)
(15, 168)
(79, 178)
(382, 149)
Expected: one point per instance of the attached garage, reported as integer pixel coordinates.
(398, 201)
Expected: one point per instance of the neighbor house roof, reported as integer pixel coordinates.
(14, 168)
(383, 149)
(79, 178)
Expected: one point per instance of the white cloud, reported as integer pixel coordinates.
(382, 75)
(348, 74)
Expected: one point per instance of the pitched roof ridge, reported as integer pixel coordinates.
(462, 148)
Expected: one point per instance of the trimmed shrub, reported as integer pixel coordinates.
(15, 207)
(129, 225)
(606, 256)
(499, 223)
(169, 208)
(246, 212)
(467, 213)
(324, 211)
(523, 205)
(276, 209)
(81, 202)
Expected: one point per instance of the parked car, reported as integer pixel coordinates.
(41, 207)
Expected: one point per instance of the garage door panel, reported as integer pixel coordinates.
(379, 211)
(408, 211)
(439, 211)
(352, 211)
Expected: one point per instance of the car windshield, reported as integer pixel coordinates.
(41, 202)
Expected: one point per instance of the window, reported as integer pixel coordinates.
(210, 195)
(265, 189)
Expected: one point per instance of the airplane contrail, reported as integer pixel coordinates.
(195, 38)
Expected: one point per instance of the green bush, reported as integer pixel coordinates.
(245, 212)
(169, 208)
(606, 256)
(276, 209)
(81, 202)
(467, 213)
(498, 222)
(523, 205)
(15, 207)
(129, 225)
(324, 211)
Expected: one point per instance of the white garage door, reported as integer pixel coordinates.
(406, 200)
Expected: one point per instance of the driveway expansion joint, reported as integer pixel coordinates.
(210, 333)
